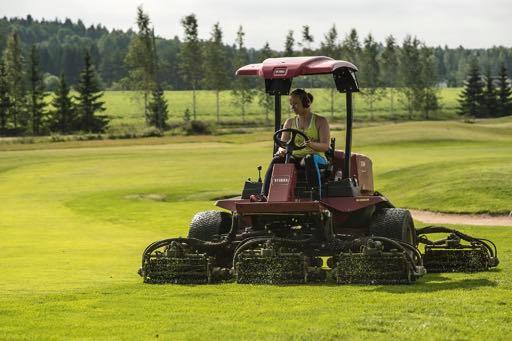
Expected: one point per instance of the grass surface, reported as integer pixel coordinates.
(75, 218)
(125, 108)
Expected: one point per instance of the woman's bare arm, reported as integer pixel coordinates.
(285, 136)
(324, 136)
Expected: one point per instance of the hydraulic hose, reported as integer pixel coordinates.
(493, 252)
(200, 244)
(401, 246)
(411, 247)
(245, 245)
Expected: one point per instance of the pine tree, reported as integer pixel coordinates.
(370, 73)
(140, 59)
(470, 100)
(158, 108)
(289, 44)
(4, 98)
(88, 99)
(242, 91)
(351, 48)
(489, 98)
(216, 77)
(63, 117)
(13, 61)
(389, 69)
(36, 103)
(307, 40)
(409, 69)
(186, 116)
(265, 100)
(504, 107)
(330, 48)
(426, 90)
(191, 57)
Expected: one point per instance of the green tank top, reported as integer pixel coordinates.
(311, 132)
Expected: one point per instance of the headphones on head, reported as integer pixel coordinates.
(303, 95)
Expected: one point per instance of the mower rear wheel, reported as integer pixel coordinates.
(395, 223)
(208, 224)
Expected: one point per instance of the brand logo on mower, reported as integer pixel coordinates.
(280, 71)
(282, 179)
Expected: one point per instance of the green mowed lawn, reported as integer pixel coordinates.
(76, 216)
(125, 108)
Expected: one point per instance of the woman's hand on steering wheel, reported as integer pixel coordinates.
(290, 145)
(280, 152)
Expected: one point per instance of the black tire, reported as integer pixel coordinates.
(208, 224)
(360, 218)
(395, 223)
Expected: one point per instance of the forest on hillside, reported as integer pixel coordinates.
(61, 46)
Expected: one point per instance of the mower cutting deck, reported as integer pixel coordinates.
(353, 234)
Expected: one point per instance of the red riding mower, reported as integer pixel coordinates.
(353, 234)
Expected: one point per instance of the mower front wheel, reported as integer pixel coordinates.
(395, 223)
(207, 225)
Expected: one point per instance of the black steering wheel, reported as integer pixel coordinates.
(290, 145)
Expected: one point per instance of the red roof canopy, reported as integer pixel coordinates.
(290, 67)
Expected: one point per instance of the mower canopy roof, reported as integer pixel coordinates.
(279, 72)
(290, 67)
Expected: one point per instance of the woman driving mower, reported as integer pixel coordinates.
(316, 129)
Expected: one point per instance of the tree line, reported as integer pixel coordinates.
(486, 95)
(410, 71)
(23, 109)
(61, 44)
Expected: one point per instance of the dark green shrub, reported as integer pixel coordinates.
(196, 127)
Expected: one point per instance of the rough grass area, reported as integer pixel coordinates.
(75, 219)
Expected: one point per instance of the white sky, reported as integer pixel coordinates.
(470, 23)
